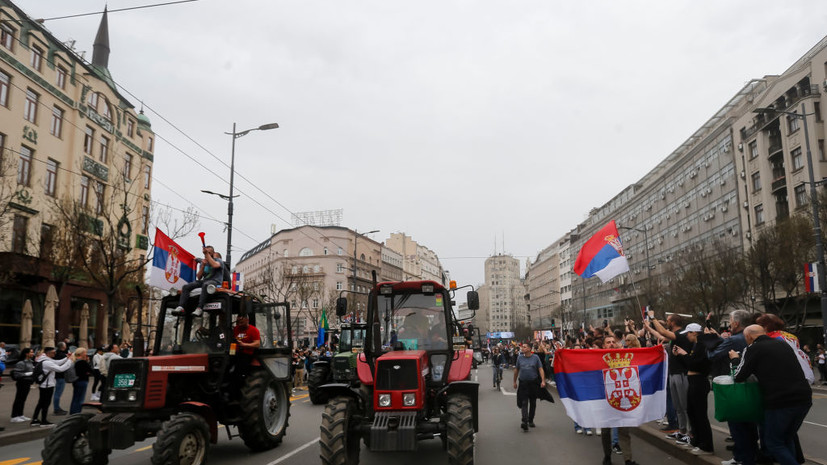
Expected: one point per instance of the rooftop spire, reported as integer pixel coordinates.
(100, 50)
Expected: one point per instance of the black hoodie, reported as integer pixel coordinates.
(779, 374)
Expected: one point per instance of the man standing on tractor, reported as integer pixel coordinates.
(529, 370)
(210, 271)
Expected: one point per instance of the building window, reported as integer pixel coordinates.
(84, 190)
(753, 149)
(46, 241)
(106, 113)
(145, 220)
(798, 159)
(338, 285)
(315, 303)
(99, 192)
(325, 250)
(7, 36)
(821, 149)
(61, 77)
(18, 239)
(24, 166)
(759, 214)
(817, 111)
(801, 195)
(130, 128)
(104, 149)
(340, 268)
(5, 80)
(88, 140)
(92, 101)
(147, 176)
(306, 252)
(57, 122)
(340, 251)
(30, 110)
(37, 57)
(51, 177)
(793, 122)
(127, 166)
(149, 144)
(756, 182)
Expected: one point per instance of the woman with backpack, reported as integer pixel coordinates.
(22, 375)
(44, 375)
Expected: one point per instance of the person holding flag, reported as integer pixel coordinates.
(210, 271)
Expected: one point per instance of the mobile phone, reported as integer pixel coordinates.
(709, 324)
(605, 323)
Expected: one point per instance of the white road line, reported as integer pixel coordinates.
(506, 392)
(287, 456)
(816, 424)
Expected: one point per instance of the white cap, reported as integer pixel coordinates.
(692, 328)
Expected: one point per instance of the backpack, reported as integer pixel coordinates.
(70, 375)
(39, 374)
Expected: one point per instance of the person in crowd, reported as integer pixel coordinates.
(210, 271)
(786, 394)
(529, 372)
(113, 351)
(821, 363)
(82, 371)
(497, 361)
(774, 326)
(678, 379)
(60, 381)
(97, 384)
(51, 366)
(22, 375)
(624, 438)
(698, 366)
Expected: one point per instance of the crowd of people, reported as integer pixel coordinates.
(754, 347)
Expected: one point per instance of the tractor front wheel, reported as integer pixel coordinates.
(339, 444)
(460, 431)
(68, 443)
(318, 376)
(183, 440)
(266, 409)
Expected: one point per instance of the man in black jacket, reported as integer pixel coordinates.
(787, 394)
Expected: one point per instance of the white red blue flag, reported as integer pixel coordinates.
(610, 388)
(811, 277)
(237, 284)
(172, 266)
(602, 255)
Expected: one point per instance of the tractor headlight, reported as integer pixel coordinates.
(384, 400)
(132, 396)
(409, 399)
(112, 397)
(210, 288)
(427, 288)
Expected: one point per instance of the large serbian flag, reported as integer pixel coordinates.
(602, 255)
(172, 266)
(609, 388)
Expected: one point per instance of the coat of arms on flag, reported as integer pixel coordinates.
(622, 381)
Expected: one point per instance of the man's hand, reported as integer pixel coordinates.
(678, 350)
(542, 383)
(733, 355)
(515, 385)
(710, 331)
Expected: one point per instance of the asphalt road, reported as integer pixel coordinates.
(500, 440)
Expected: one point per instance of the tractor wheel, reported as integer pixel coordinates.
(339, 445)
(182, 440)
(68, 443)
(266, 408)
(460, 431)
(318, 376)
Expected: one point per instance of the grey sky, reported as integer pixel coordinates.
(453, 121)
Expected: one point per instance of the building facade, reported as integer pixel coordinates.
(506, 307)
(68, 137)
(419, 262)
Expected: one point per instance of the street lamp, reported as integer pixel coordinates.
(648, 267)
(822, 282)
(356, 235)
(229, 198)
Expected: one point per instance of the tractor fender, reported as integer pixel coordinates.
(470, 389)
(363, 370)
(321, 363)
(341, 389)
(205, 411)
(461, 366)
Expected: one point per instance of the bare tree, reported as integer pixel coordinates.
(173, 224)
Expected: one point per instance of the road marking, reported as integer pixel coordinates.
(296, 451)
(502, 389)
(808, 422)
(139, 450)
(299, 397)
(14, 461)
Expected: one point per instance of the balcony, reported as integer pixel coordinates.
(779, 183)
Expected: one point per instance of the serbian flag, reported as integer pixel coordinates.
(811, 277)
(609, 388)
(602, 255)
(237, 284)
(172, 266)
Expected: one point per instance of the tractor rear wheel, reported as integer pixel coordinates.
(319, 375)
(183, 440)
(339, 444)
(460, 431)
(265, 407)
(68, 443)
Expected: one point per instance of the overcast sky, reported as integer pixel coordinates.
(461, 123)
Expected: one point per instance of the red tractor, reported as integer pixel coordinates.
(198, 380)
(414, 379)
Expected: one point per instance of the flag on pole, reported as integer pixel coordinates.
(172, 266)
(238, 283)
(610, 388)
(602, 255)
(322, 328)
(811, 283)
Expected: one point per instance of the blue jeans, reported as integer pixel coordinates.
(615, 437)
(745, 439)
(60, 385)
(780, 427)
(78, 396)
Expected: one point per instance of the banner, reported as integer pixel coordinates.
(172, 266)
(610, 388)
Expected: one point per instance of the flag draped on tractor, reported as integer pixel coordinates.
(172, 266)
(602, 255)
(609, 388)
(322, 328)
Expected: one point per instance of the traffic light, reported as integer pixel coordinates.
(552, 322)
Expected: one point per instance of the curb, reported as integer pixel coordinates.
(17, 437)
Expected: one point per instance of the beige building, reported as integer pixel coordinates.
(419, 262)
(506, 307)
(66, 134)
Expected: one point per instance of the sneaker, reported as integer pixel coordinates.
(95, 398)
(19, 419)
(197, 312)
(34, 423)
(699, 451)
(684, 441)
(729, 439)
(524, 426)
(588, 432)
(668, 429)
(675, 435)
(578, 430)
(46, 424)
(25, 418)
(616, 449)
(61, 412)
(531, 424)
(730, 462)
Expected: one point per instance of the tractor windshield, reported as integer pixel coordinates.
(414, 321)
(351, 338)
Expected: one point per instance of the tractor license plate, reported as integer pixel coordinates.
(124, 380)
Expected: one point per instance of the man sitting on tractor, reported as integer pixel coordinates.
(246, 335)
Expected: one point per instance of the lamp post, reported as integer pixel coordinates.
(229, 198)
(822, 282)
(648, 267)
(356, 235)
